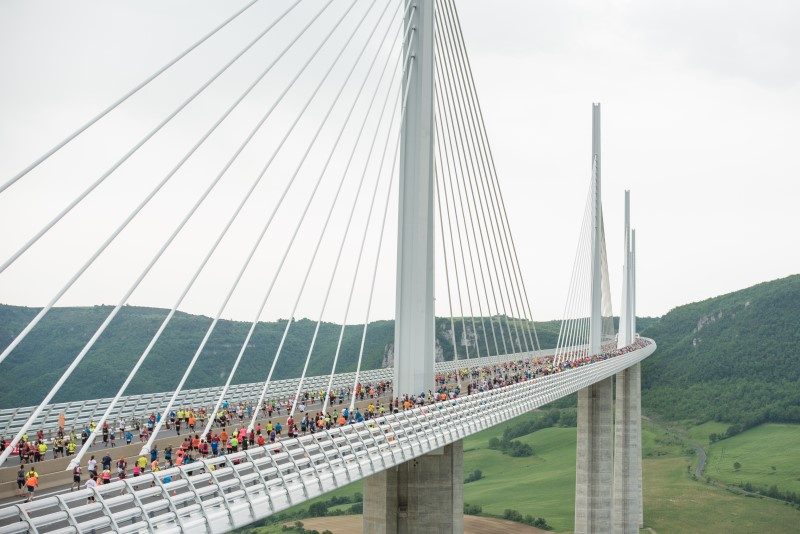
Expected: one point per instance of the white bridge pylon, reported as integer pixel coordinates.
(362, 108)
(587, 326)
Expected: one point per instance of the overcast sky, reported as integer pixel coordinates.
(700, 102)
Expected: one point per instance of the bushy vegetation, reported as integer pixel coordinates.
(472, 509)
(772, 492)
(513, 447)
(732, 358)
(473, 476)
(517, 517)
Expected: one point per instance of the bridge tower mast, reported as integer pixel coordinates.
(414, 313)
(625, 335)
(424, 494)
(628, 516)
(596, 316)
(594, 465)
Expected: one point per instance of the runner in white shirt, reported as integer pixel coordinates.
(91, 466)
(90, 485)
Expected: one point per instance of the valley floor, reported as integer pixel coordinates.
(543, 485)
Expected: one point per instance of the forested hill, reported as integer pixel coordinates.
(42, 357)
(732, 358)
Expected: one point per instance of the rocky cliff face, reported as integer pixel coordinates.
(444, 332)
(388, 356)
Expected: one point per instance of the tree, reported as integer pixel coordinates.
(736, 466)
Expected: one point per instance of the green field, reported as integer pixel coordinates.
(700, 433)
(673, 502)
(544, 484)
(768, 454)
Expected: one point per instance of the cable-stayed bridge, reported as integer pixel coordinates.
(360, 114)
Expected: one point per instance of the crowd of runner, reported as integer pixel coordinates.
(230, 432)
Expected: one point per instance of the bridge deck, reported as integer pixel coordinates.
(78, 414)
(232, 491)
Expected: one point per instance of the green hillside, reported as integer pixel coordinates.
(45, 353)
(733, 358)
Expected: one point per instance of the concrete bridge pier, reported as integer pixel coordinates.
(424, 495)
(595, 459)
(628, 452)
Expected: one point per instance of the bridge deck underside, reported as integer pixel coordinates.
(233, 491)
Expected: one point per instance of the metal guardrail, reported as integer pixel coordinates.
(78, 414)
(219, 494)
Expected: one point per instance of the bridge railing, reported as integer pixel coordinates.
(219, 494)
(78, 414)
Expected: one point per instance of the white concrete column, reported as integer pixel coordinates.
(624, 335)
(424, 495)
(633, 284)
(594, 459)
(414, 318)
(628, 451)
(596, 316)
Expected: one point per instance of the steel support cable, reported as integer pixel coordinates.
(356, 269)
(445, 56)
(449, 172)
(294, 236)
(461, 98)
(410, 68)
(595, 228)
(504, 254)
(477, 251)
(446, 170)
(577, 307)
(224, 304)
(286, 330)
(599, 252)
(606, 310)
(25, 331)
(584, 301)
(406, 38)
(565, 332)
(161, 251)
(138, 145)
(203, 263)
(482, 239)
(576, 310)
(607, 303)
(486, 148)
(447, 276)
(494, 295)
(513, 280)
(301, 382)
(563, 329)
(122, 99)
(441, 158)
(453, 241)
(466, 215)
(448, 52)
(578, 334)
